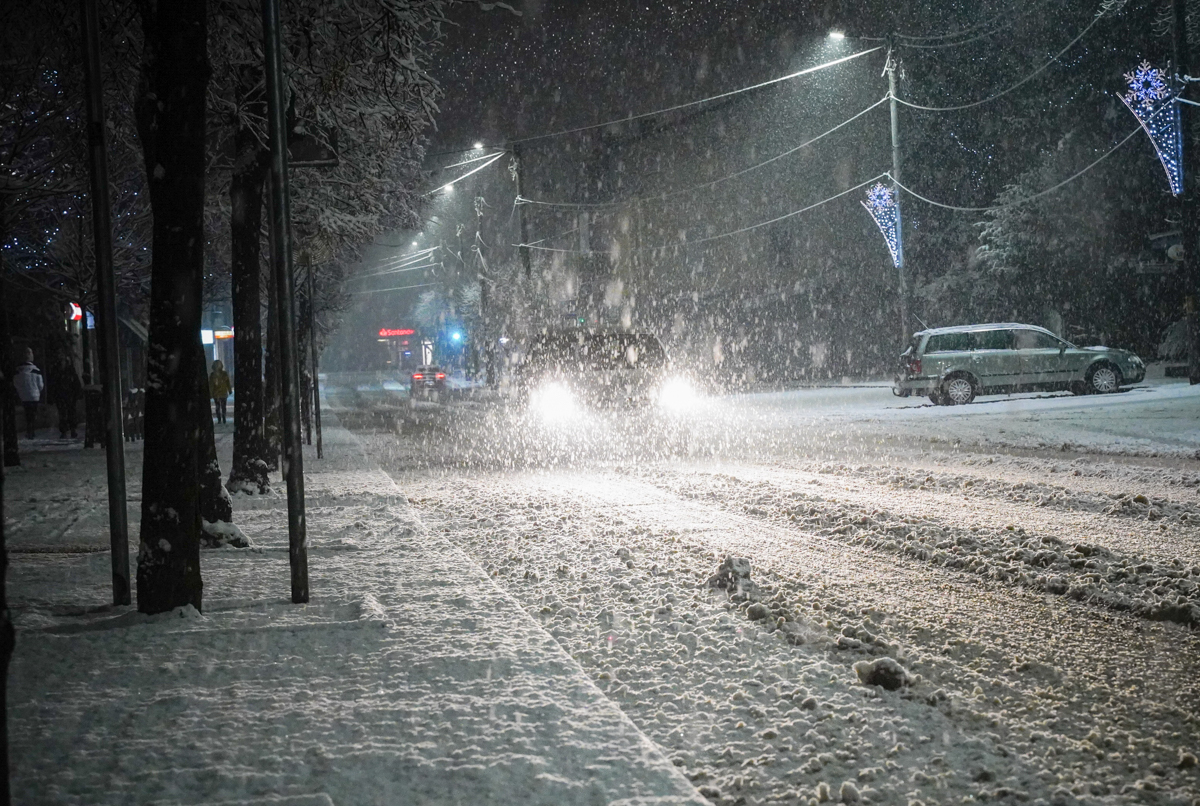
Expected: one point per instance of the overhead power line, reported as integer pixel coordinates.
(1020, 83)
(465, 162)
(397, 271)
(711, 182)
(1027, 199)
(731, 233)
(494, 157)
(1008, 20)
(677, 107)
(969, 30)
(398, 288)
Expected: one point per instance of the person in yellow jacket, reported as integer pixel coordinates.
(219, 387)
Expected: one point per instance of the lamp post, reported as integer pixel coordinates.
(281, 259)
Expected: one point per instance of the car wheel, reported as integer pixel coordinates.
(958, 390)
(1103, 378)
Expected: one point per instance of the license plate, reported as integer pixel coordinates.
(431, 383)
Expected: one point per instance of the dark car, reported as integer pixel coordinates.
(954, 364)
(565, 371)
(427, 381)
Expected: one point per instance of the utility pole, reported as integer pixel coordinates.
(110, 367)
(281, 259)
(901, 273)
(524, 223)
(890, 68)
(1188, 227)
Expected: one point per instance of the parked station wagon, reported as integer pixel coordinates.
(954, 364)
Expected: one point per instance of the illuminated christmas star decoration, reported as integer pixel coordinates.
(1153, 103)
(881, 204)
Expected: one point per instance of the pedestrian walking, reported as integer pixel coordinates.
(30, 385)
(219, 387)
(65, 391)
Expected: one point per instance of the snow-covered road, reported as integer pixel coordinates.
(1032, 562)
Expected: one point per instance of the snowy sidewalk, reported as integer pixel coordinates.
(409, 679)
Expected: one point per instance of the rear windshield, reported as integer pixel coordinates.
(597, 351)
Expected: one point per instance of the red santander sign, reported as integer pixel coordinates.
(392, 332)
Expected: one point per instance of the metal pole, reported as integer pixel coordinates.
(312, 346)
(1188, 227)
(110, 368)
(901, 272)
(293, 457)
(524, 224)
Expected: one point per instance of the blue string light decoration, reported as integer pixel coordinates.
(882, 205)
(1153, 102)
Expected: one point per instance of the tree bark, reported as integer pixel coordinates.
(216, 507)
(7, 644)
(8, 394)
(272, 425)
(171, 122)
(248, 472)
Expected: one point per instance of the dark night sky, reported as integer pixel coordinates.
(570, 63)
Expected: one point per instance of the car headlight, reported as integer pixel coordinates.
(678, 394)
(554, 402)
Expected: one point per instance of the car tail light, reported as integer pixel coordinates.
(440, 375)
(417, 376)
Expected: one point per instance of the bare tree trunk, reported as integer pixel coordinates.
(272, 425)
(249, 470)
(171, 123)
(8, 394)
(8, 640)
(216, 507)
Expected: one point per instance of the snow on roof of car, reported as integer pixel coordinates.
(974, 328)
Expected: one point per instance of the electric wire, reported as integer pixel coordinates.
(1004, 92)
(1027, 199)
(398, 271)
(677, 107)
(702, 185)
(398, 288)
(968, 30)
(731, 233)
(494, 157)
(465, 162)
(403, 261)
(1008, 21)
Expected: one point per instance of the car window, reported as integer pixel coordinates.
(602, 351)
(948, 343)
(992, 340)
(1035, 340)
(622, 351)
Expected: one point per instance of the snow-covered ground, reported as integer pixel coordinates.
(410, 677)
(1031, 562)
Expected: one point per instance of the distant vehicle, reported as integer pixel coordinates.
(427, 381)
(954, 364)
(565, 372)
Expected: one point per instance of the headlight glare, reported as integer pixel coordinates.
(678, 394)
(554, 402)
